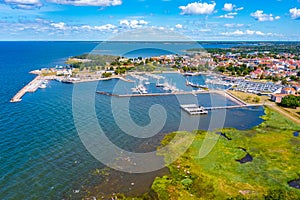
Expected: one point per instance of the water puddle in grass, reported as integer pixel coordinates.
(223, 135)
(295, 183)
(246, 158)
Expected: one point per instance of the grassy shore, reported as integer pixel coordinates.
(276, 157)
(248, 97)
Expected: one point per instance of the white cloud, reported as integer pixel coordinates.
(229, 25)
(232, 13)
(226, 16)
(104, 27)
(197, 8)
(295, 13)
(63, 27)
(262, 17)
(259, 33)
(205, 30)
(31, 4)
(247, 32)
(228, 7)
(237, 32)
(178, 26)
(60, 25)
(233, 25)
(133, 23)
(88, 2)
(238, 9)
(24, 4)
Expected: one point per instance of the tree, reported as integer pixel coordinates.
(221, 69)
(256, 99)
(290, 101)
(294, 78)
(106, 74)
(284, 81)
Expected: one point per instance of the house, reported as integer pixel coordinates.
(256, 74)
(278, 97)
(288, 90)
(297, 87)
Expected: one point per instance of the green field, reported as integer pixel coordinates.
(218, 175)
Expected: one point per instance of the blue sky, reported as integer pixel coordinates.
(101, 19)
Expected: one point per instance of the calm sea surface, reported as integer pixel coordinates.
(41, 154)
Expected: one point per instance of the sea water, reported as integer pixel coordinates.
(41, 154)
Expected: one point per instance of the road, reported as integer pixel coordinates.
(283, 112)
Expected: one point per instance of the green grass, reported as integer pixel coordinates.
(276, 158)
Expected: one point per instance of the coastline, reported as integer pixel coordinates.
(190, 167)
(33, 85)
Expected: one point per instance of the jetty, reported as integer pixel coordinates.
(32, 86)
(153, 94)
(194, 109)
(231, 107)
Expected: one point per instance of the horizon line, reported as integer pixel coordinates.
(150, 41)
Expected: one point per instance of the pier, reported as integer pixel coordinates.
(231, 107)
(32, 86)
(194, 109)
(152, 94)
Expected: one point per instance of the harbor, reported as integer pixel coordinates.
(140, 89)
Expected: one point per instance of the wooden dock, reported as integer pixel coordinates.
(30, 87)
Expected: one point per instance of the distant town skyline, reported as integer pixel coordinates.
(97, 20)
